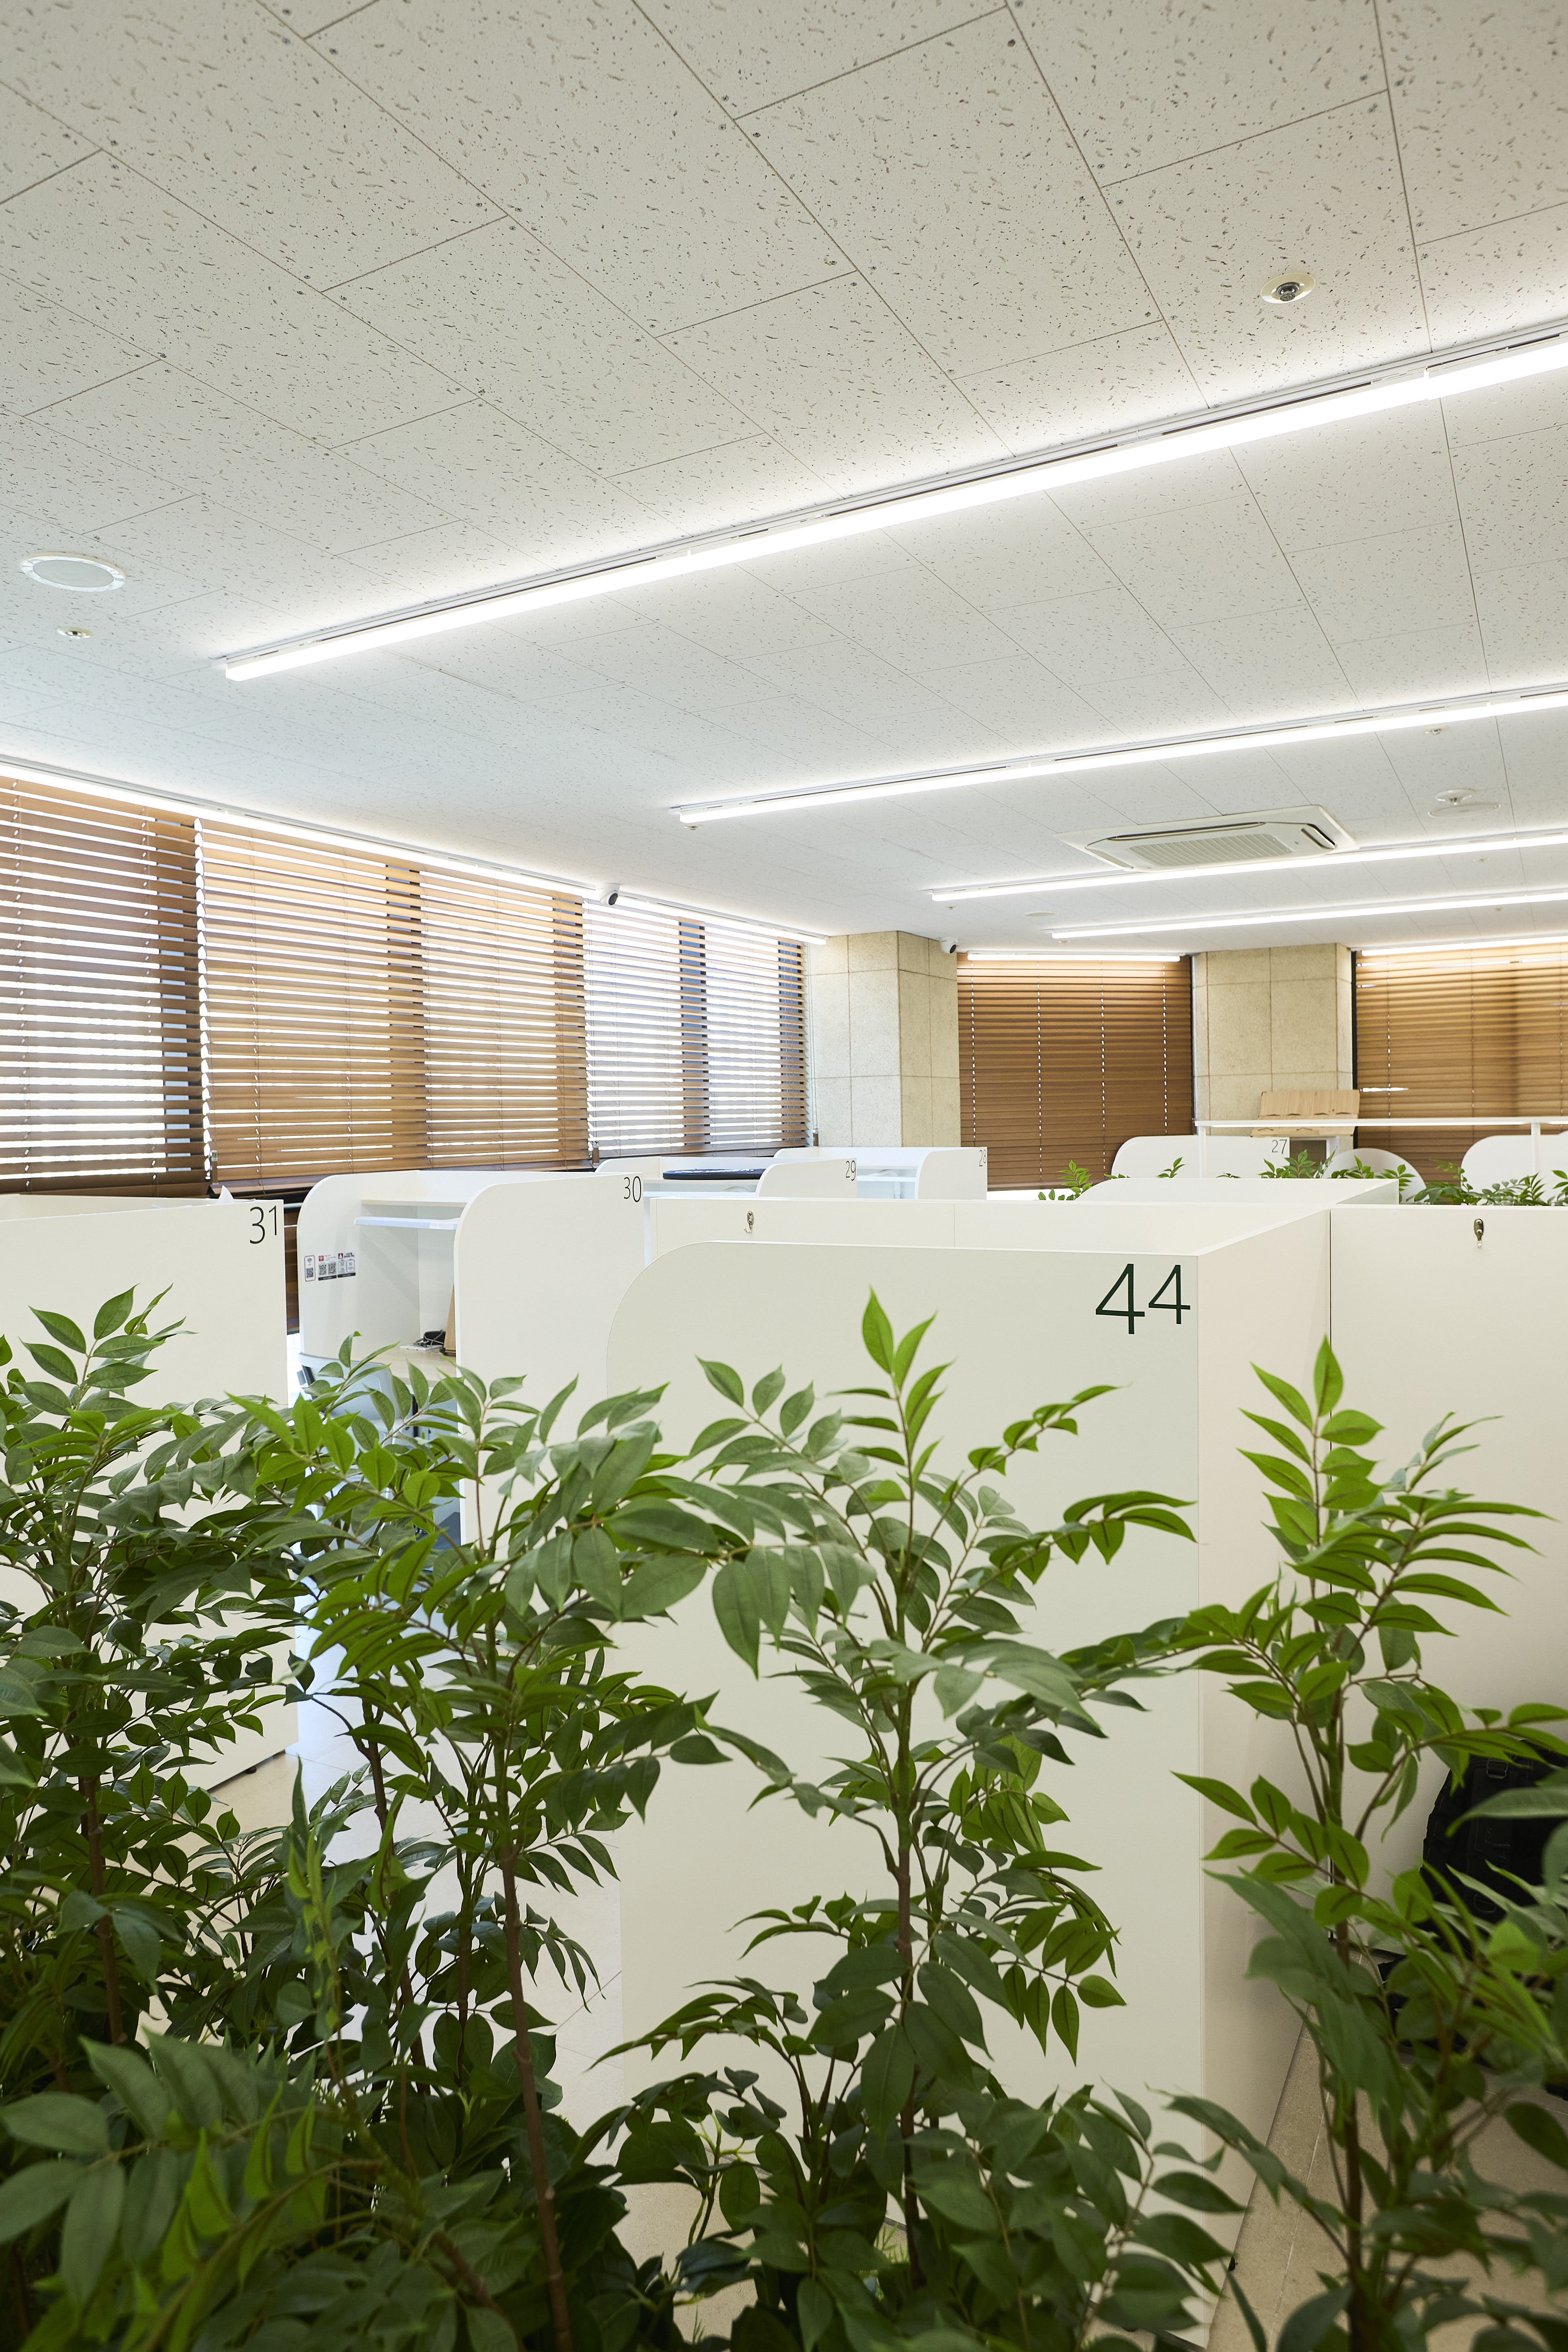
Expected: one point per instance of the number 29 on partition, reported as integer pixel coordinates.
(1120, 1301)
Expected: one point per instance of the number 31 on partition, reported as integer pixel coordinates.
(1120, 1301)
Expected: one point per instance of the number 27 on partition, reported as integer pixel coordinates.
(1120, 1301)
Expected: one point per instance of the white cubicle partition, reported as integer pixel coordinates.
(909, 1171)
(1029, 1307)
(1348, 1191)
(219, 1265)
(1465, 1310)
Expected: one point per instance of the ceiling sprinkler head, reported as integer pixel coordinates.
(1290, 286)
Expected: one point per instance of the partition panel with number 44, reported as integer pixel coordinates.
(1120, 1301)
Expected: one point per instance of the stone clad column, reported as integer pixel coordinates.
(883, 1050)
(1265, 1018)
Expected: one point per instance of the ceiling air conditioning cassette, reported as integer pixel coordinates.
(1260, 836)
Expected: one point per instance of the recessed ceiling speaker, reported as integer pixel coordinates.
(86, 575)
(1290, 286)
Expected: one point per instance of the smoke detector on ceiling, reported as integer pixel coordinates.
(1258, 837)
(1290, 286)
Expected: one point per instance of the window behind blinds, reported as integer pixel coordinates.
(1064, 1061)
(1482, 1032)
(696, 1036)
(365, 1011)
(99, 996)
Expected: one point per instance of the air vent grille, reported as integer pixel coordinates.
(1260, 838)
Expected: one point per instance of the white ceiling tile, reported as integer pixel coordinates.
(1404, 666)
(750, 52)
(671, 667)
(1387, 474)
(871, 693)
(449, 559)
(1202, 563)
(1491, 280)
(690, 749)
(183, 639)
(114, 249)
(1082, 639)
(499, 313)
(581, 121)
(1514, 496)
(1167, 489)
(211, 549)
(730, 613)
(1164, 702)
(910, 618)
(810, 568)
(232, 114)
(832, 374)
(1268, 664)
(1510, 409)
(476, 463)
(502, 661)
(45, 354)
(1402, 580)
(1019, 701)
(1479, 100)
(945, 151)
(33, 145)
(1008, 555)
(1524, 623)
(77, 490)
(209, 442)
(1322, 195)
(1145, 83)
(733, 483)
(823, 745)
(1103, 386)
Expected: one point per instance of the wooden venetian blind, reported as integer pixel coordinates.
(1481, 1032)
(365, 1011)
(696, 1036)
(101, 1019)
(1064, 1061)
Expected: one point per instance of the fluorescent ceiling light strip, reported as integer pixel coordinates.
(730, 922)
(24, 771)
(1378, 909)
(1139, 755)
(1401, 385)
(1447, 946)
(1469, 845)
(1040, 955)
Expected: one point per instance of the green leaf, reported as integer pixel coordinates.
(1294, 1403)
(112, 1314)
(765, 1390)
(727, 1383)
(1197, 2190)
(886, 2078)
(61, 1327)
(1311, 2321)
(740, 2194)
(53, 1361)
(597, 1565)
(179, 2065)
(657, 1585)
(1097, 1992)
(1064, 2017)
(1542, 2132)
(30, 2195)
(877, 1335)
(735, 1607)
(814, 2310)
(959, 2198)
(133, 2083)
(54, 2119)
(1181, 2241)
(1327, 1380)
(92, 2224)
(1218, 1794)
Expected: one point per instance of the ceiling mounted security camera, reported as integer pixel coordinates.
(612, 894)
(1290, 286)
(949, 946)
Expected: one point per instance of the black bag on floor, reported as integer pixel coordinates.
(1495, 1852)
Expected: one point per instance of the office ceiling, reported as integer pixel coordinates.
(308, 312)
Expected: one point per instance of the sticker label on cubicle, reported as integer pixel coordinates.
(327, 1266)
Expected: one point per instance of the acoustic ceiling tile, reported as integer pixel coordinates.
(1163, 491)
(475, 463)
(1404, 666)
(1201, 563)
(948, 150)
(447, 559)
(735, 482)
(1524, 623)
(1144, 84)
(1008, 555)
(671, 667)
(732, 615)
(46, 354)
(1018, 700)
(496, 312)
(822, 746)
(121, 253)
(237, 117)
(811, 568)
(1387, 474)
(1398, 581)
(208, 442)
(1322, 195)
(1267, 664)
(910, 618)
(1514, 496)
(211, 548)
(72, 490)
(1082, 639)
(1510, 409)
(858, 686)
(33, 145)
(582, 123)
(1491, 280)
(1477, 98)
(689, 749)
(506, 660)
(754, 52)
(1164, 702)
(832, 374)
(1104, 386)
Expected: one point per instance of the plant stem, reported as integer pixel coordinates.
(554, 2282)
(907, 1954)
(105, 1932)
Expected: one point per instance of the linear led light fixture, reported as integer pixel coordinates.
(1141, 755)
(1038, 955)
(1469, 845)
(730, 922)
(1381, 907)
(1447, 947)
(1473, 367)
